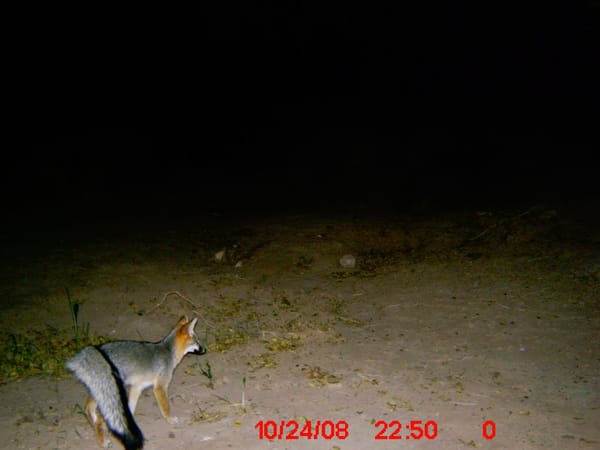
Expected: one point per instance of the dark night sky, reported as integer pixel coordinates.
(238, 106)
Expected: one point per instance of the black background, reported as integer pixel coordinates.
(301, 106)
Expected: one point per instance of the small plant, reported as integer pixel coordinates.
(208, 374)
(43, 352)
(244, 394)
(224, 339)
(74, 308)
(39, 352)
(204, 415)
(277, 344)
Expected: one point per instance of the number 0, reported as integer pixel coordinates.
(488, 429)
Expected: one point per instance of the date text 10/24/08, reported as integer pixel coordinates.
(328, 429)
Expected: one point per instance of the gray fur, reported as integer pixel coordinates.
(105, 386)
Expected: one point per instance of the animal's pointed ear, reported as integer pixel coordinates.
(182, 321)
(192, 325)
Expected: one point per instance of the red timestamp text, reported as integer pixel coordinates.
(292, 430)
(415, 429)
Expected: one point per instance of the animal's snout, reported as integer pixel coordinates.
(200, 350)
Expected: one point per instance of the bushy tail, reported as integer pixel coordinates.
(95, 370)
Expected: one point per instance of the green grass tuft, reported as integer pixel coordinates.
(40, 352)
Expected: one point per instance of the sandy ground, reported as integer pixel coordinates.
(457, 325)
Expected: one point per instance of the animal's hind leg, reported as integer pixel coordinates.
(96, 421)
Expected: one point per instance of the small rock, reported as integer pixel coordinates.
(348, 262)
(220, 256)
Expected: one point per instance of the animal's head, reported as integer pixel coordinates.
(186, 339)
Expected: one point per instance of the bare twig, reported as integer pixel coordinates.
(494, 225)
(481, 234)
(179, 294)
(176, 293)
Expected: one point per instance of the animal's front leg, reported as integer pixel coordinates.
(162, 398)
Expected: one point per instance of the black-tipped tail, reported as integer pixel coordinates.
(101, 378)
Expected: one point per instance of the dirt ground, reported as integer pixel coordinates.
(472, 322)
